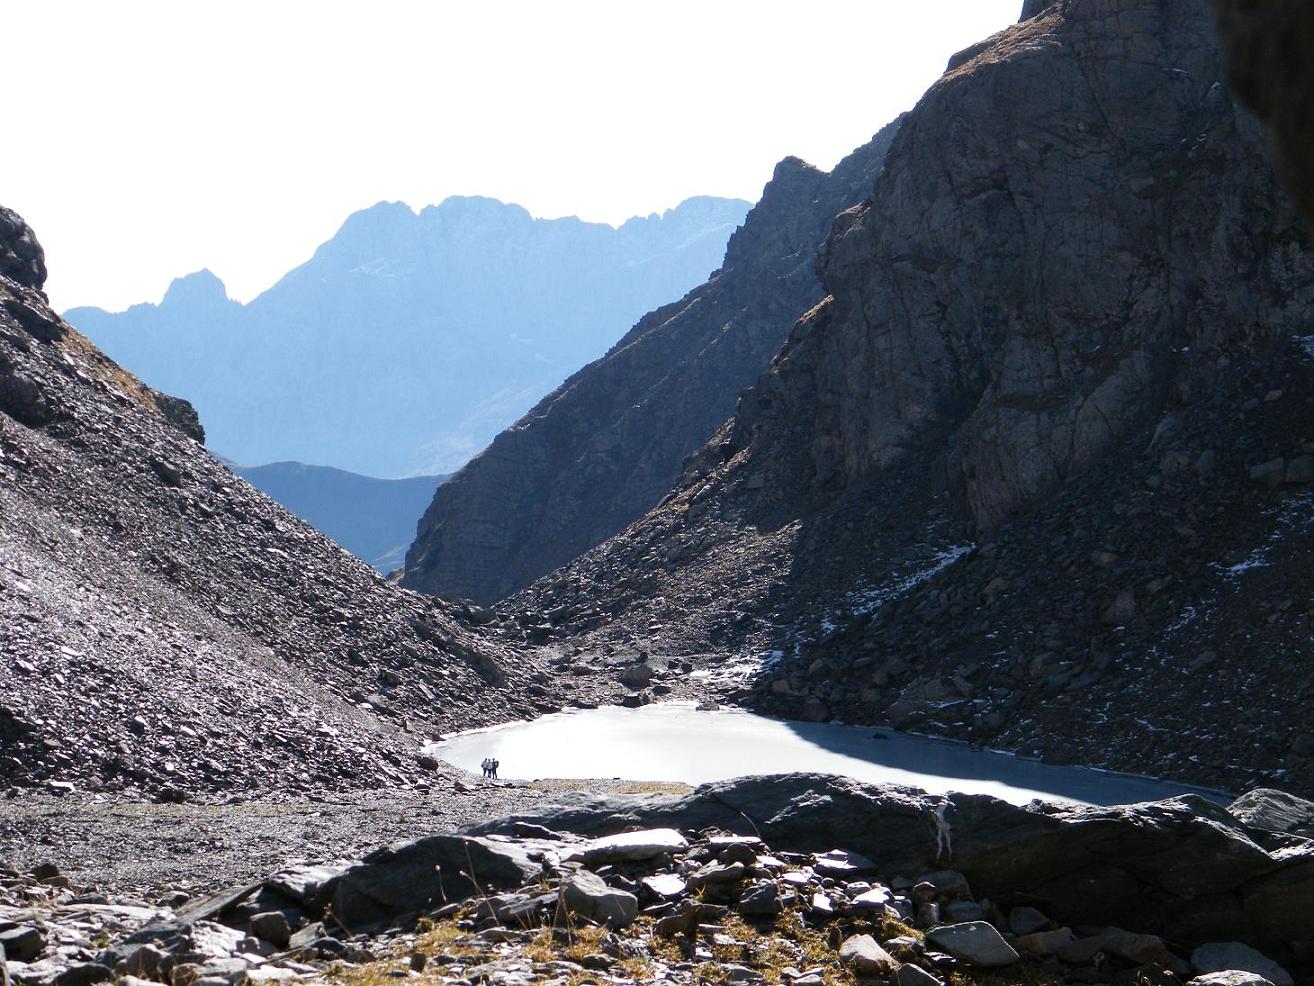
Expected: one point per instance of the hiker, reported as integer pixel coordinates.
(488, 766)
(494, 764)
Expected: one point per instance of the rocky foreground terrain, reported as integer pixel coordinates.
(1036, 473)
(795, 879)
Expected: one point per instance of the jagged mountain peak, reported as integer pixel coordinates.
(199, 289)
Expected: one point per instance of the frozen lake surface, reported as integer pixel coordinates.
(673, 741)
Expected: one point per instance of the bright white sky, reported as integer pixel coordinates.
(159, 136)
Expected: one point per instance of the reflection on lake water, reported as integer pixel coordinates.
(673, 741)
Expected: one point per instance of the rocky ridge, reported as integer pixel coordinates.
(558, 481)
(165, 628)
(1034, 474)
(793, 879)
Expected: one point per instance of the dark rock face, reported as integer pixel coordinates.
(1185, 869)
(1025, 303)
(606, 445)
(998, 484)
(166, 628)
(1269, 49)
(21, 258)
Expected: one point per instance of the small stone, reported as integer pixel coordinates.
(144, 961)
(760, 900)
(822, 906)
(271, 926)
(1122, 610)
(22, 944)
(1027, 921)
(714, 873)
(975, 942)
(588, 895)
(866, 957)
(307, 936)
(418, 961)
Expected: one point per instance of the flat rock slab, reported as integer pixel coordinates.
(630, 847)
(974, 942)
(841, 862)
(664, 885)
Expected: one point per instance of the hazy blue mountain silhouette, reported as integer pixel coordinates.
(409, 340)
(372, 518)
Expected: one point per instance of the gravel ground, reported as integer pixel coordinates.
(152, 850)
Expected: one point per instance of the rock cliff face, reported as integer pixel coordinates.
(1033, 472)
(164, 626)
(608, 444)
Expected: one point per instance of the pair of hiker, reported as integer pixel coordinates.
(490, 767)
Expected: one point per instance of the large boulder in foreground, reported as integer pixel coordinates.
(1186, 869)
(426, 874)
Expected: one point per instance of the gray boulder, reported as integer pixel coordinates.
(864, 955)
(974, 942)
(1274, 811)
(271, 926)
(426, 874)
(588, 895)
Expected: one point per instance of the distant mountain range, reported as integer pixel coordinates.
(410, 339)
(372, 518)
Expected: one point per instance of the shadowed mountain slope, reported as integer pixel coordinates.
(607, 444)
(166, 627)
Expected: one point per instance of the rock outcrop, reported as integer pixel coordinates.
(1035, 473)
(605, 446)
(165, 628)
